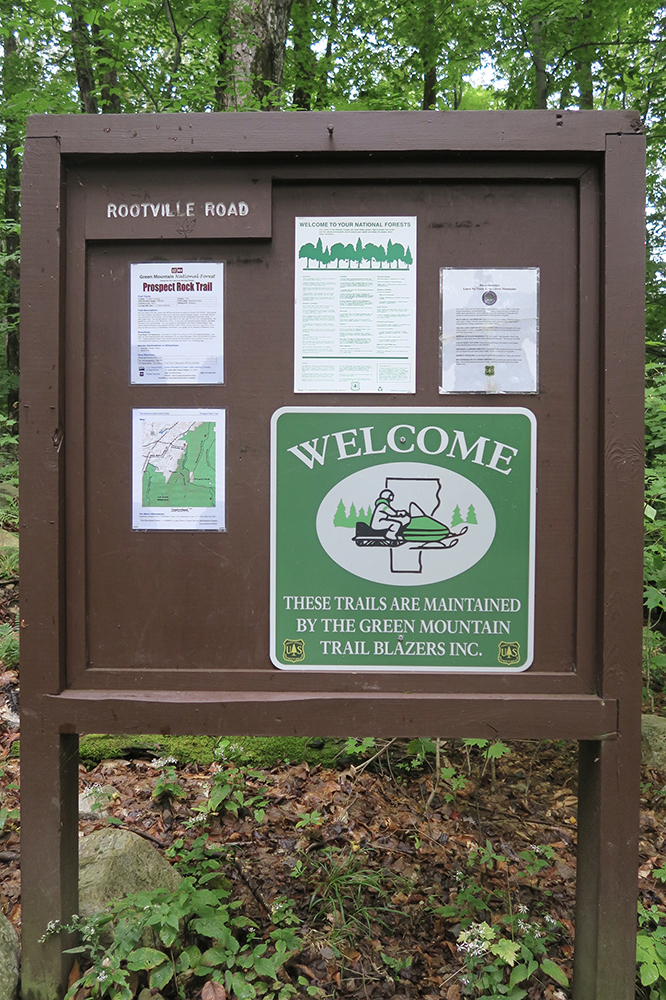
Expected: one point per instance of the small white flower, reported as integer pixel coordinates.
(522, 909)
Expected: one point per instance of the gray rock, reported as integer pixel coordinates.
(93, 801)
(113, 863)
(653, 741)
(10, 956)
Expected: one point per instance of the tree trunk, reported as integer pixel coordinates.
(11, 209)
(429, 88)
(251, 52)
(584, 63)
(539, 62)
(108, 76)
(82, 51)
(305, 61)
(428, 53)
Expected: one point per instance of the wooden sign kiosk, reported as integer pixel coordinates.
(272, 366)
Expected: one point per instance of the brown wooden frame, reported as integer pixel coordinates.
(602, 154)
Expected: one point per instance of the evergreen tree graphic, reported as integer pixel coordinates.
(457, 517)
(340, 519)
(370, 253)
(353, 517)
(471, 515)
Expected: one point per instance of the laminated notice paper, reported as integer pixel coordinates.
(176, 324)
(489, 329)
(355, 304)
(178, 458)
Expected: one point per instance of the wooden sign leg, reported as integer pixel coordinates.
(606, 880)
(49, 854)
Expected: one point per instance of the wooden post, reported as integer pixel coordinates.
(609, 770)
(49, 854)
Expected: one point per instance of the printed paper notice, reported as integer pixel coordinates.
(490, 329)
(178, 469)
(355, 308)
(176, 324)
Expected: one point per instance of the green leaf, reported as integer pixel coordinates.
(239, 987)
(216, 956)
(506, 950)
(554, 972)
(160, 976)
(518, 975)
(145, 958)
(648, 973)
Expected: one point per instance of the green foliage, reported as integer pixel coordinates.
(9, 644)
(8, 467)
(500, 957)
(313, 818)
(196, 933)
(654, 656)
(651, 952)
(339, 881)
(167, 786)
(231, 791)
(8, 814)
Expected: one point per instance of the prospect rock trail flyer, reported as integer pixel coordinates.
(178, 469)
(177, 324)
(490, 327)
(403, 539)
(355, 304)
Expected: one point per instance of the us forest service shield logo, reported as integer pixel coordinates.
(294, 650)
(509, 653)
(402, 538)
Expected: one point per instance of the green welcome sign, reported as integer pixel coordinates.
(403, 539)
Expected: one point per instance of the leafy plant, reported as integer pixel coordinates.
(497, 966)
(651, 952)
(9, 563)
(9, 644)
(313, 818)
(230, 791)
(167, 786)
(195, 934)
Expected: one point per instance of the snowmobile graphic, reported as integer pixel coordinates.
(391, 528)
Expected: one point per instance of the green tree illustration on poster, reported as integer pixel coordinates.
(471, 515)
(457, 516)
(340, 519)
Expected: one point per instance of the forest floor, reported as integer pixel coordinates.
(369, 863)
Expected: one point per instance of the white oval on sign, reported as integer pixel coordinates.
(406, 524)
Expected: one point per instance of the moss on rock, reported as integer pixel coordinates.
(253, 751)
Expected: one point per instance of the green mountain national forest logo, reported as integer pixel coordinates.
(406, 523)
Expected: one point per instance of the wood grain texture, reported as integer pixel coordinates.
(353, 131)
(41, 416)
(609, 776)
(49, 854)
(311, 713)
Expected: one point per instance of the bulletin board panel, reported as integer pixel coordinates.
(200, 625)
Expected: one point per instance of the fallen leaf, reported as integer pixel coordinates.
(212, 990)
(75, 973)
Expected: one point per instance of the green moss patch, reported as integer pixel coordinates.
(253, 751)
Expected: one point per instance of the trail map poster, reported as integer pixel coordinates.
(178, 479)
(403, 539)
(355, 305)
